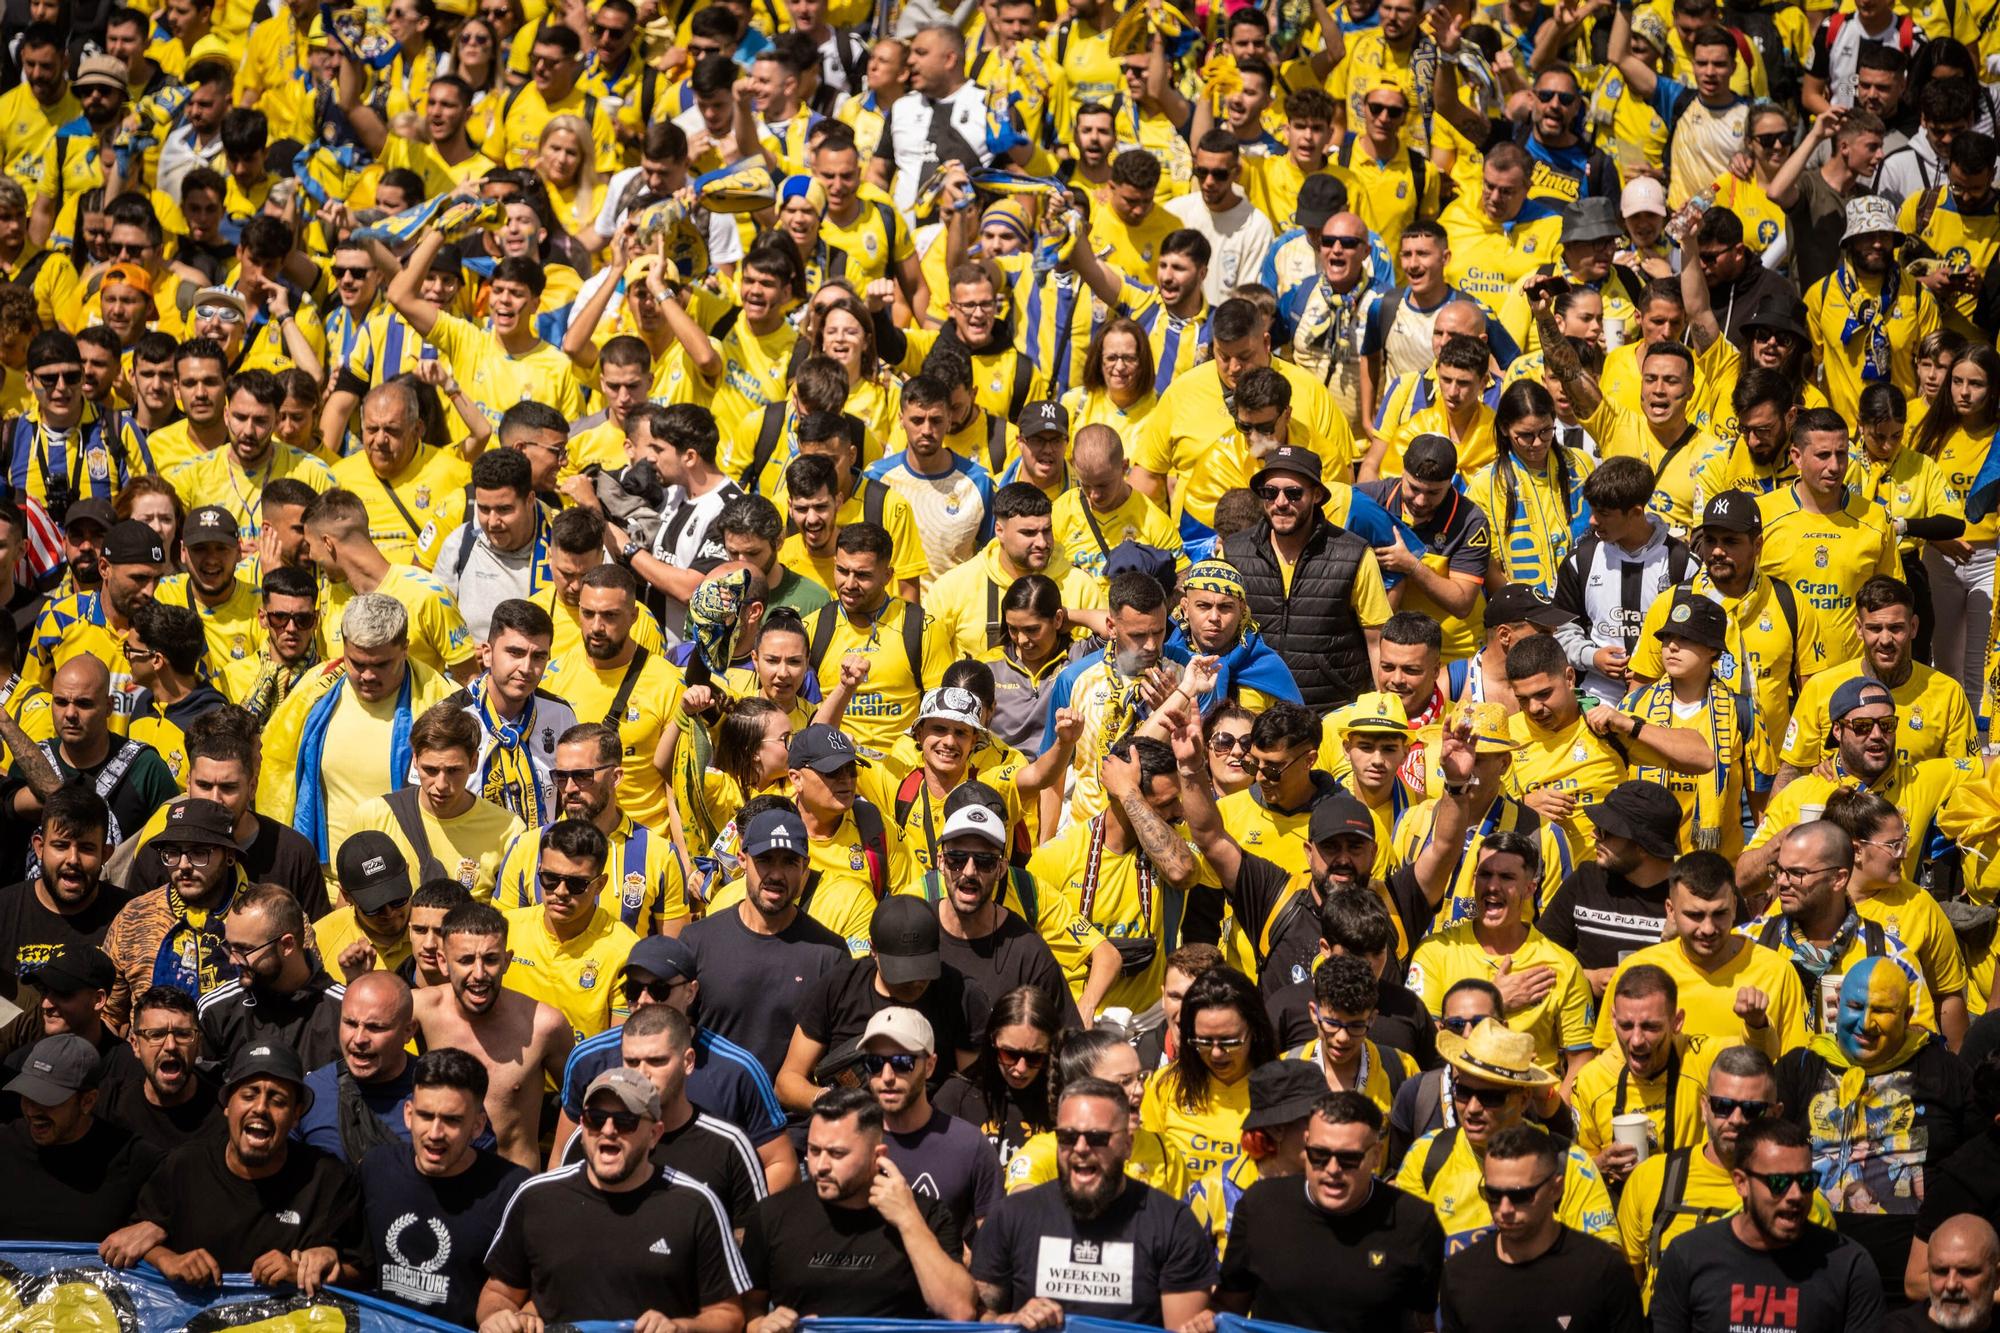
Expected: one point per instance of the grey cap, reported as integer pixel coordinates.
(634, 1091)
(1592, 219)
(58, 1068)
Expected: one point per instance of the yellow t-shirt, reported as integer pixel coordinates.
(496, 380)
(401, 507)
(1827, 557)
(217, 478)
(1575, 760)
(1604, 1089)
(231, 629)
(467, 845)
(1933, 719)
(886, 704)
(1136, 519)
(1916, 790)
(1709, 1196)
(1830, 304)
(1559, 1021)
(1200, 1138)
(654, 701)
(1708, 999)
(439, 637)
(843, 903)
(643, 881)
(338, 929)
(577, 976)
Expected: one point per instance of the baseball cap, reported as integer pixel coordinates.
(1282, 1091)
(1733, 511)
(129, 275)
(634, 1091)
(1696, 619)
(1289, 458)
(975, 821)
(100, 71)
(195, 822)
(1861, 692)
(1038, 418)
(903, 935)
(1432, 449)
(210, 523)
(75, 967)
(1320, 197)
(1338, 814)
(1645, 812)
(904, 1028)
(662, 956)
(1643, 195)
(133, 543)
(823, 749)
(1783, 313)
(1517, 604)
(775, 831)
(1134, 557)
(57, 1069)
(221, 296)
(269, 1060)
(949, 703)
(92, 510)
(373, 872)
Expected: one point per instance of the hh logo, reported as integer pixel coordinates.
(1764, 1307)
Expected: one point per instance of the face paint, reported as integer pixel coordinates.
(1874, 1014)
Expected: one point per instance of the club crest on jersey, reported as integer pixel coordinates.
(635, 890)
(1767, 232)
(588, 979)
(422, 497)
(1821, 557)
(99, 464)
(855, 860)
(1915, 720)
(1579, 754)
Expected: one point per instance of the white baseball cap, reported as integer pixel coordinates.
(976, 821)
(1643, 194)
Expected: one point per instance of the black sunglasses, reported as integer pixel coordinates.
(570, 886)
(597, 1117)
(659, 991)
(1520, 1196)
(1389, 110)
(1213, 173)
(1547, 95)
(1342, 242)
(1095, 1138)
(983, 861)
(875, 1063)
(1724, 1107)
(1349, 1159)
(352, 270)
(1484, 1096)
(289, 619)
(1781, 1183)
(1273, 494)
(51, 379)
(127, 249)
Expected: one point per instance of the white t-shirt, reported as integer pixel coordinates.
(1238, 238)
(486, 578)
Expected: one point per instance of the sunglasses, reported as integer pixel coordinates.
(981, 861)
(1484, 1096)
(1776, 139)
(611, 33)
(292, 619)
(1342, 242)
(1865, 725)
(569, 886)
(1347, 1158)
(1289, 494)
(596, 1117)
(352, 270)
(1014, 1055)
(1220, 1043)
(1272, 772)
(1222, 742)
(1548, 95)
(1391, 110)
(903, 1064)
(1724, 1107)
(1781, 1183)
(576, 776)
(52, 379)
(1212, 173)
(1093, 1138)
(128, 249)
(1459, 1026)
(1520, 1196)
(228, 314)
(659, 991)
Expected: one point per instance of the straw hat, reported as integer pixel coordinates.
(1495, 1053)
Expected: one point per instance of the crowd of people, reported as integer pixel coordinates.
(711, 664)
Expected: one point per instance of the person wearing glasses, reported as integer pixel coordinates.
(1773, 1251)
(617, 1236)
(1238, 232)
(173, 935)
(282, 996)
(993, 947)
(573, 945)
(1671, 1193)
(1531, 1269)
(1006, 1090)
(154, 1086)
(1343, 1009)
(60, 452)
(951, 1159)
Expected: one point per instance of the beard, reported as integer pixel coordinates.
(1089, 1204)
(1959, 1313)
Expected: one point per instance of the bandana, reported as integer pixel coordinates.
(509, 780)
(1724, 731)
(714, 614)
(274, 682)
(1870, 317)
(1815, 961)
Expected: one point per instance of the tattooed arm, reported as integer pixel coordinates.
(1561, 359)
(1172, 858)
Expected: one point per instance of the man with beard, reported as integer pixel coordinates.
(36, 108)
(901, 648)
(967, 597)
(950, 447)
(576, 546)
(372, 1069)
(576, 1242)
(96, 625)
(1325, 615)
(82, 555)
(1615, 903)
(1770, 1251)
(1113, 691)
(442, 828)
(1958, 1270)
(153, 1086)
(71, 1175)
(897, 1251)
(1825, 539)
(989, 945)
(1101, 511)
(684, 440)
(442, 1180)
(501, 551)
(1867, 290)
(401, 480)
(521, 1041)
(282, 996)
(233, 479)
(68, 904)
(1055, 1249)
(567, 941)
(79, 158)
(249, 1200)
(1644, 1074)
(1238, 232)
(227, 604)
(372, 929)
(201, 370)
(173, 935)
(61, 452)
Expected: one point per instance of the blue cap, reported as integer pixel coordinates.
(775, 831)
(664, 957)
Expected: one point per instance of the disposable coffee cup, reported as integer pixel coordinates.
(1829, 1000)
(1635, 1130)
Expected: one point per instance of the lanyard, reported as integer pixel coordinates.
(1673, 1084)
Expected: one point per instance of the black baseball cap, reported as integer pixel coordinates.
(1283, 1091)
(823, 749)
(1337, 814)
(133, 543)
(195, 822)
(210, 523)
(1320, 197)
(75, 967)
(903, 934)
(1696, 619)
(662, 957)
(269, 1059)
(1037, 418)
(92, 510)
(1517, 604)
(374, 875)
(1733, 511)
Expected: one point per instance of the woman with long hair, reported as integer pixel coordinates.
(566, 163)
(1006, 1090)
(417, 59)
(1197, 1103)
(150, 499)
(1769, 135)
(839, 326)
(1911, 486)
(1532, 491)
(1104, 1052)
(1037, 648)
(1958, 432)
(1226, 730)
(478, 58)
(1936, 355)
(747, 753)
(1116, 389)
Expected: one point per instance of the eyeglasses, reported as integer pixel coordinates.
(198, 857)
(1354, 1027)
(612, 34)
(981, 861)
(976, 307)
(1213, 173)
(228, 314)
(239, 953)
(1222, 742)
(875, 1063)
(1781, 1183)
(138, 653)
(291, 619)
(1895, 848)
(154, 1036)
(550, 61)
(1014, 1055)
(1271, 772)
(1342, 242)
(352, 270)
(1258, 427)
(1220, 1043)
(1273, 494)
(1547, 95)
(564, 777)
(597, 1117)
(1862, 726)
(58, 379)
(1724, 1107)
(1460, 1092)
(1520, 1196)
(1092, 1138)
(1390, 110)
(659, 991)
(1348, 1159)
(1523, 438)
(560, 451)
(569, 886)
(1801, 872)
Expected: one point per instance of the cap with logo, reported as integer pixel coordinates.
(775, 831)
(1044, 418)
(950, 703)
(662, 957)
(1861, 692)
(269, 1060)
(1376, 711)
(901, 1027)
(195, 822)
(1697, 619)
(1320, 197)
(1733, 511)
(1339, 814)
(1643, 194)
(228, 296)
(822, 749)
(133, 543)
(57, 1069)
(903, 936)
(210, 524)
(1870, 215)
(1292, 459)
(73, 968)
(975, 821)
(373, 873)
(1520, 604)
(634, 1091)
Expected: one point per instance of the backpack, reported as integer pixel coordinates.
(913, 640)
(1437, 1155)
(1673, 1188)
(1781, 68)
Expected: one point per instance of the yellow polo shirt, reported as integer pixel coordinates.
(577, 976)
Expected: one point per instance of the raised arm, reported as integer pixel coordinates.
(405, 291)
(1702, 326)
(1585, 396)
(1639, 76)
(1172, 858)
(1204, 821)
(1452, 814)
(1784, 187)
(1448, 29)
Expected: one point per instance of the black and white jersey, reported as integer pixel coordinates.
(1607, 589)
(921, 132)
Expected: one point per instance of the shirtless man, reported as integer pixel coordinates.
(522, 1042)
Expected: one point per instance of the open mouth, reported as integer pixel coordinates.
(259, 1132)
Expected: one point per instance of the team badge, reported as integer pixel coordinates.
(635, 891)
(1821, 557)
(1764, 623)
(855, 860)
(1681, 614)
(588, 980)
(99, 464)
(1916, 718)
(423, 497)
(1402, 189)
(1579, 754)
(1767, 232)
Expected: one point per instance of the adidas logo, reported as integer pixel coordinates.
(660, 1247)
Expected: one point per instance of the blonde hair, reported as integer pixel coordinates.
(586, 184)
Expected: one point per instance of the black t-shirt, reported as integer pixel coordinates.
(1400, 1018)
(312, 1200)
(838, 1008)
(1579, 1282)
(1287, 1253)
(146, 785)
(1114, 1266)
(821, 1259)
(81, 1191)
(30, 932)
(583, 1253)
(1292, 924)
(121, 1099)
(1012, 956)
(948, 1160)
(1914, 1319)
(752, 986)
(1008, 1119)
(1711, 1282)
(278, 854)
(1968, 1181)
(428, 1234)
(1601, 917)
(710, 1150)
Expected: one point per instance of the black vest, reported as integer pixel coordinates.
(1314, 627)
